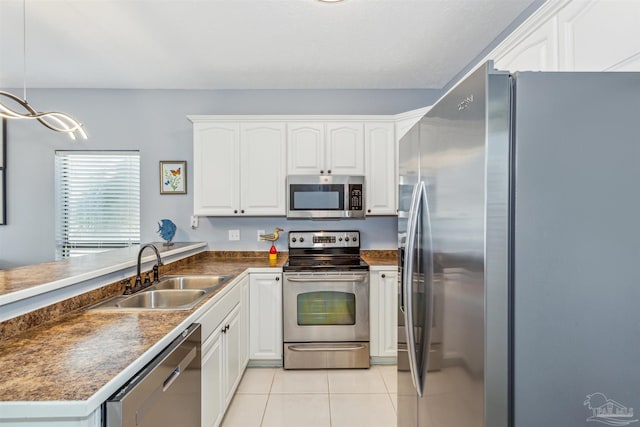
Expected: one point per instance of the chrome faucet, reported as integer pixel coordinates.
(156, 275)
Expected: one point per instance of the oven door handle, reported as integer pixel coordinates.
(327, 279)
(329, 347)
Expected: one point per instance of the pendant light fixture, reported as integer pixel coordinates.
(59, 122)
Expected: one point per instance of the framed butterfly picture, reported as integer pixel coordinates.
(173, 177)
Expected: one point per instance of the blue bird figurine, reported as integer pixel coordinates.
(167, 230)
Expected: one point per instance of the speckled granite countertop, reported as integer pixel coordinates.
(380, 258)
(73, 358)
(89, 355)
(22, 282)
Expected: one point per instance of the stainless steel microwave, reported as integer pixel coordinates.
(325, 196)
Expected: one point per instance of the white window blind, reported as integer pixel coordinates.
(98, 201)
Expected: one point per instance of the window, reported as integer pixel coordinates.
(98, 201)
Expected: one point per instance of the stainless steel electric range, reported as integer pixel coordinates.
(325, 301)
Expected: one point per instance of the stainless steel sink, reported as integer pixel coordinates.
(171, 293)
(192, 282)
(173, 299)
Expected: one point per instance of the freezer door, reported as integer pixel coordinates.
(577, 250)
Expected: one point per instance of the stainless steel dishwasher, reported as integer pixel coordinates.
(165, 393)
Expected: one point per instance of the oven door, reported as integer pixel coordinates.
(326, 307)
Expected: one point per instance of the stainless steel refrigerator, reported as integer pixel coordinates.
(519, 252)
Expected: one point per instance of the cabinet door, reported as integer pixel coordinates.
(216, 158)
(212, 380)
(383, 300)
(345, 149)
(244, 323)
(265, 318)
(305, 148)
(263, 169)
(538, 51)
(600, 35)
(380, 168)
(388, 318)
(231, 356)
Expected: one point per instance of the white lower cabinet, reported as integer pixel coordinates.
(265, 319)
(224, 352)
(383, 313)
(211, 380)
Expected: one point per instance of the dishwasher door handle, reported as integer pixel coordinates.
(182, 365)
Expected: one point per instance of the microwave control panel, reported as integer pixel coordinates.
(355, 197)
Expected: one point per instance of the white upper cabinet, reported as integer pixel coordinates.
(325, 148)
(216, 158)
(600, 35)
(575, 35)
(239, 168)
(305, 148)
(380, 168)
(344, 149)
(537, 52)
(240, 163)
(263, 169)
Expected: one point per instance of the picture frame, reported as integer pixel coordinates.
(3, 178)
(173, 177)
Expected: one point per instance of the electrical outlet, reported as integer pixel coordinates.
(194, 221)
(234, 234)
(260, 232)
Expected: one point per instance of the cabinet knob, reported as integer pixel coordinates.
(368, 210)
(277, 279)
(321, 171)
(329, 171)
(383, 275)
(242, 211)
(235, 211)
(223, 330)
(226, 328)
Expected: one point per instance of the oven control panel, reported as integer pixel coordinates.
(324, 239)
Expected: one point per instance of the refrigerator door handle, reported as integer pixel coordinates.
(428, 281)
(407, 284)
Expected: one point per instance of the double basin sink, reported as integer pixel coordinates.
(170, 293)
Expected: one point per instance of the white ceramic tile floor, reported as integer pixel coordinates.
(273, 397)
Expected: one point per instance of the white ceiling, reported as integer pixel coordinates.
(247, 44)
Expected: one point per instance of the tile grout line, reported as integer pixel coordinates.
(264, 411)
(329, 399)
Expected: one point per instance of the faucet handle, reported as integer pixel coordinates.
(156, 272)
(147, 280)
(127, 287)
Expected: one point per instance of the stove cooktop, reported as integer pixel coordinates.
(324, 250)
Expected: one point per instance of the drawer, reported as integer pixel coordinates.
(216, 314)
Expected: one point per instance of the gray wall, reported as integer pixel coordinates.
(154, 122)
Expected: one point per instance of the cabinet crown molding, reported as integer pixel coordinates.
(292, 118)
